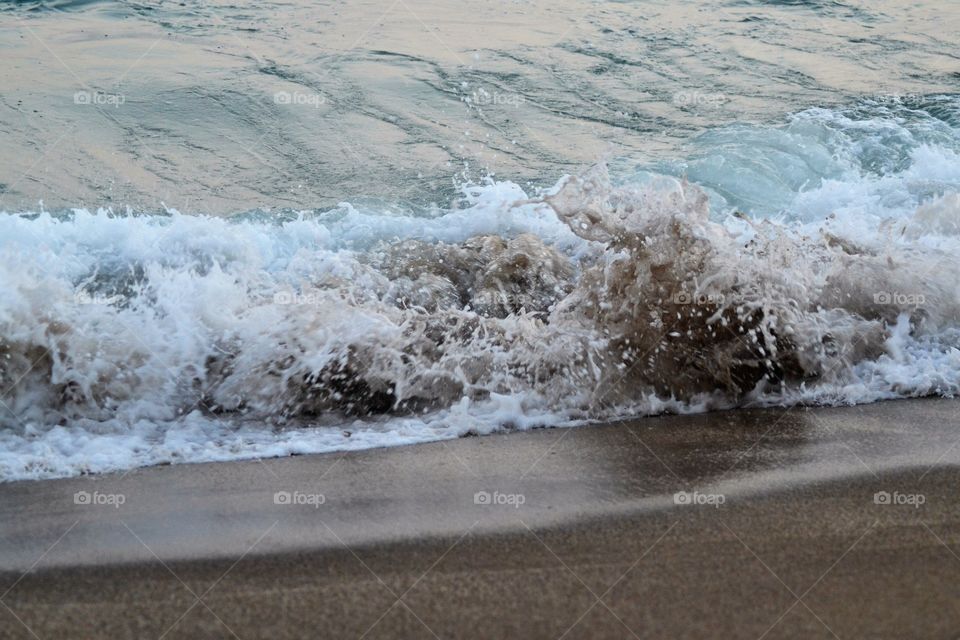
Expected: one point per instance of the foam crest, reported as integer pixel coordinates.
(129, 340)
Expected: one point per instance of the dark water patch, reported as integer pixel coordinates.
(820, 7)
(44, 6)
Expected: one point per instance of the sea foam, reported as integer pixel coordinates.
(138, 339)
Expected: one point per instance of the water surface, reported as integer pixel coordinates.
(231, 232)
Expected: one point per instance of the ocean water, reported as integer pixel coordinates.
(235, 232)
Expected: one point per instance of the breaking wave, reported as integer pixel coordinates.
(133, 339)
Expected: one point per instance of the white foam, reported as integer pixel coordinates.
(128, 341)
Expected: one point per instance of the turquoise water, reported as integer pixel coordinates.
(210, 107)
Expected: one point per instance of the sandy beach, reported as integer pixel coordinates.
(804, 523)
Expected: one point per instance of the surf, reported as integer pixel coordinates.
(130, 339)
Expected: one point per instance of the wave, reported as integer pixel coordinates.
(130, 339)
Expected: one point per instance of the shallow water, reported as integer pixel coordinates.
(232, 232)
(397, 100)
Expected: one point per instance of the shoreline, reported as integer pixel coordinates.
(564, 475)
(583, 507)
(877, 571)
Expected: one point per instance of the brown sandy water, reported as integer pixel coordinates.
(779, 223)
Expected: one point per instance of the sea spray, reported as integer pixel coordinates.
(129, 340)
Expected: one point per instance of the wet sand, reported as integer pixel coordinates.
(788, 538)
